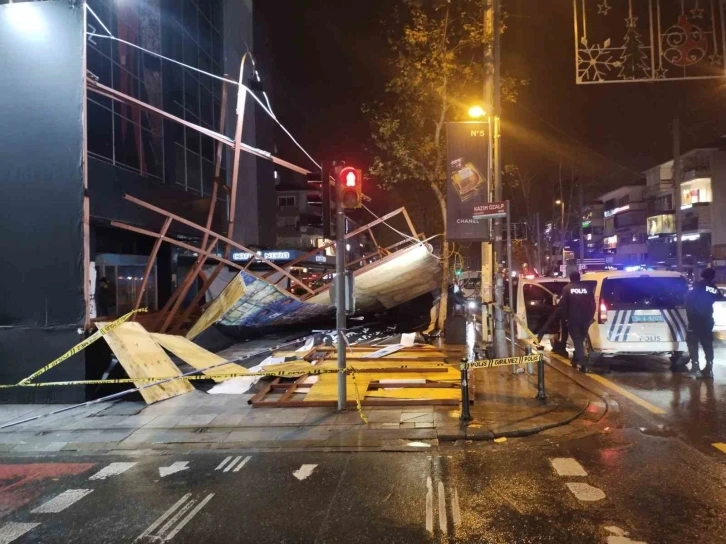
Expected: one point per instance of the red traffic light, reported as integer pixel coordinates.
(349, 187)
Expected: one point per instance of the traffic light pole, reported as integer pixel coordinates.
(340, 251)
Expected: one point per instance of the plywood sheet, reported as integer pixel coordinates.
(417, 393)
(326, 388)
(197, 356)
(142, 357)
(219, 306)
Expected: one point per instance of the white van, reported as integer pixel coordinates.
(638, 313)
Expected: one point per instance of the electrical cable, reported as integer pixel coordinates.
(215, 76)
(390, 227)
(100, 22)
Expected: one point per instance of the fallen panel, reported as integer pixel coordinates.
(142, 357)
(326, 388)
(197, 356)
(219, 306)
(416, 393)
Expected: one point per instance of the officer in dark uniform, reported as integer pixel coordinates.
(578, 307)
(699, 309)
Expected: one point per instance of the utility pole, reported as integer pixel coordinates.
(582, 229)
(539, 247)
(677, 192)
(500, 337)
(487, 261)
(340, 281)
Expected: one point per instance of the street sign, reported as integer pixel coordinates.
(493, 210)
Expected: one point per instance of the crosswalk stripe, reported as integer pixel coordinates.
(62, 501)
(190, 516)
(236, 460)
(442, 509)
(12, 531)
(242, 463)
(429, 505)
(163, 517)
(455, 511)
(567, 466)
(114, 469)
(219, 467)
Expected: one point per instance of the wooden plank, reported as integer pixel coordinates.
(262, 392)
(422, 393)
(219, 306)
(197, 356)
(150, 263)
(353, 404)
(142, 357)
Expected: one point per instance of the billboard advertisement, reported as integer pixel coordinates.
(467, 182)
(661, 224)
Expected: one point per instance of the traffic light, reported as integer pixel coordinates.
(350, 188)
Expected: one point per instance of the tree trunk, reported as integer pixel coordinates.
(444, 301)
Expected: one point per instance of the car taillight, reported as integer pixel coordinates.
(602, 316)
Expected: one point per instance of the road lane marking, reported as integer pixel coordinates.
(567, 466)
(11, 531)
(429, 505)
(163, 517)
(304, 472)
(720, 446)
(442, 509)
(221, 465)
(242, 463)
(114, 469)
(621, 390)
(62, 501)
(585, 492)
(173, 468)
(455, 512)
(233, 463)
(190, 516)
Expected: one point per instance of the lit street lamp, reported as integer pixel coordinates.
(477, 112)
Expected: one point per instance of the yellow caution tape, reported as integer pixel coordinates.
(522, 323)
(357, 399)
(491, 363)
(280, 373)
(83, 345)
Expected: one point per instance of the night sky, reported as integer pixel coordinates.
(330, 58)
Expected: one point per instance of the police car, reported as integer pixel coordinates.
(637, 313)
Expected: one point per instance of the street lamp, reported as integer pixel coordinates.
(562, 208)
(477, 112)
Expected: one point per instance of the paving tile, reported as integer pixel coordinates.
(417, 417)
(388, 416)
(291, 416)
(253, 435)
(226, 420)
(39, 446)
(424, 425)
(196, 420)
(165, 422)
(171, 437)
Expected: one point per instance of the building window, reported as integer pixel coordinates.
(696, 191)
(134, 139)
(610, 242)
(285, 201)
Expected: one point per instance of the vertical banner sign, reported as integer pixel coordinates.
(467, 186)
(625, 41)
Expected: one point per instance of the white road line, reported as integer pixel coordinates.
(429, 506)
(585, 492)
(242, 463)
(62, 501)
(163, 517)
(176, 517)
(114, 469)
(190, 516)
(11, 531)
(236, 459)
(223, 463)
(455, 512)
(567, 466)
(443, 525)
(173, 468)
(304, 472)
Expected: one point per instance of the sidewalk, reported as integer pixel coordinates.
(504, 406)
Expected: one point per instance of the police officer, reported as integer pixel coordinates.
(699, 309)
(578, 307)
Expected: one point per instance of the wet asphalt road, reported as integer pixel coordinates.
(656, 489)
(682, 405)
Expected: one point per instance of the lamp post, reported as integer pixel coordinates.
(562, 208)
(487, 268)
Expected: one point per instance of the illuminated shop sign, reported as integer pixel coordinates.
(610, 213)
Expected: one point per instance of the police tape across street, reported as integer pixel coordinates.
(506, 361)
